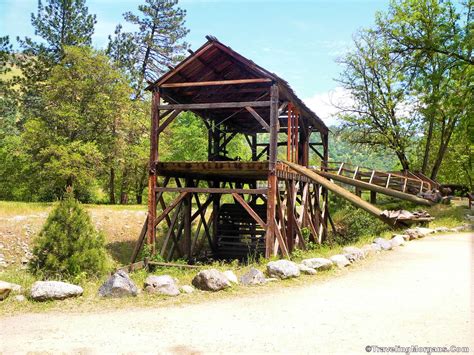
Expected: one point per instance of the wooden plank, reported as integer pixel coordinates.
(214, 105)
(163, 264)
(211, 190)
(281, 243)
(217, 82)
(168, 121)
(250, 210)
(168, 209)
(258, 118)
(141, 239)
(170, 231)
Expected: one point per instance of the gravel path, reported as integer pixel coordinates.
(419, 294)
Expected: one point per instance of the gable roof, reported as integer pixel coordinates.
(215, 61)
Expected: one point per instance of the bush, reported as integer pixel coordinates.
(68, 246)
(354, 223)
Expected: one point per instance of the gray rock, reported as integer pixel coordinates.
(54, 290)
(211, 280)
(412, 233)
(5, 289)
(368, 249)
(306, 270)
(383, 243)
(423, 232)
(118, 285)
(340, 260)
(187, 289)
(353, 254)
(253, 277)
(397, 240)
(283, 269)
(163, 284)
(405, 237)
(318, 263)
(231, 276)
(442, 230)
(20, 298)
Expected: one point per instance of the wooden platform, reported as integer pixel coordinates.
(226, 170)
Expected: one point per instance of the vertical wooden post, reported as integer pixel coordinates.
(187, 222)
(272, 179)
(373, 197)
(290, 220)
(154, 141)
(254, 146)
(325, 141)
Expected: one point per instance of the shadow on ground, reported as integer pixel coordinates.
(121, 251)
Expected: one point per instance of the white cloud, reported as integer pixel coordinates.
(324, 104)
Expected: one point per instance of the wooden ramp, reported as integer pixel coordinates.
(340, 191)
(404, 187)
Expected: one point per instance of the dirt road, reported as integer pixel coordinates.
(419, 294)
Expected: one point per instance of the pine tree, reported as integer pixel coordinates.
(159, 41)
(68, 245)
(60, 23)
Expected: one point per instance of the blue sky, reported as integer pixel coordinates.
(298, 40)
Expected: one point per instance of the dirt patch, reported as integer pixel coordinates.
(121, 228)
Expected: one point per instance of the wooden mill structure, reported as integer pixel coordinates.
(229, 207)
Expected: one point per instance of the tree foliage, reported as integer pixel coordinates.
(158, 43)
(410, 77)
(68, 244)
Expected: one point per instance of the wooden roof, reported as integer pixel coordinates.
(215, 61)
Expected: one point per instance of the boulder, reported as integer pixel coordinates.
(405, 237)
(368, 249)
(253, 277)
(54, 290)
(5, 289)
(187, 289)
(118, 285)
(423, 232)
(306, 270)
(283, 269)
(353, 253)
(340, 260)
(211, 280)
(383, 243)
(163, 284)
(442, 230)
(231, 276)
(397, 240)
(318, 263)
(412, 234)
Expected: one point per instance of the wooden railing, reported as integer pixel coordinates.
(390, 180)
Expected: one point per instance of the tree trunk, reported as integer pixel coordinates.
(403, 160)
(426, 156)
(443, 147)
(112, 186)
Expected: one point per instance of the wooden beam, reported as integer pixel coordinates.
(217, 82)
(168, 121)
(258, 118)
(168, 209)
(140, 241)
(214, 105)
(250, 210)
(211, 190)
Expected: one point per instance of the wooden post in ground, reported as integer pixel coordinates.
(272, 178)
(373, 197)
(154, 141)
(187, 222)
